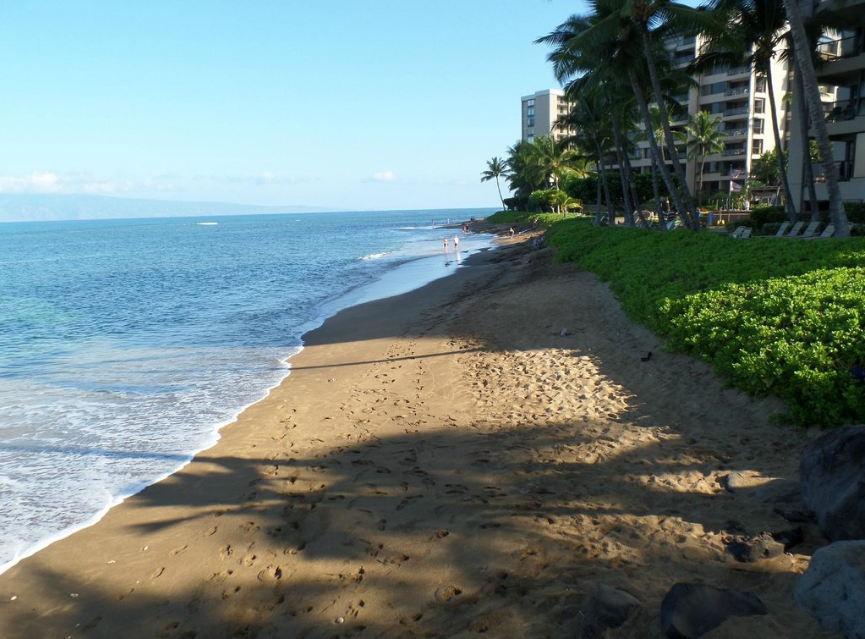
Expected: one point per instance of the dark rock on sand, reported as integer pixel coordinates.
(833, 482)
(689, 611)
(833, 588)
(609, 608)
(750, 549)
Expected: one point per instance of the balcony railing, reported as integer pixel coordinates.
(738, 70)
(729, 152)
(736, 91)
(736, 132)
(844, 169)
(736, 111)
(840, 48)
(842, 111)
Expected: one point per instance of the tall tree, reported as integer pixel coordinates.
(754, 35)
(603, 49)
(704, 138)
(496, 168)
(805, 66)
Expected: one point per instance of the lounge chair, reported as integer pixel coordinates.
(829, 231)
(783, 229)
(741, 232)
(811, 231)
(795, 230)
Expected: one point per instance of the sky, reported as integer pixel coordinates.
(334, 104)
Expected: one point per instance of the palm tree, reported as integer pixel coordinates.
(705, 138)
(755, 29)
(600, 50)
(664, 18)
(495, 169)
(552, 158)
(805, 66)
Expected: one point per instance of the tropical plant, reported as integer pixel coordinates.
(755, 30)
(811, 90)
(705, 137)
(496, 168)
(765, 168)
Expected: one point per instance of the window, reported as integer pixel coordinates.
(530, 111)
(530, 122)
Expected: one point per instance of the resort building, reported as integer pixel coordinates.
(738, 97)
(540, 112)
(841, 74)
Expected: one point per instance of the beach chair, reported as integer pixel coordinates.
(741, 232)
(783, 229)
(829, 231)
(795, 230)
(746, 233)
(811, 231)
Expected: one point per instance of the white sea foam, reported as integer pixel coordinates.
(166, 341)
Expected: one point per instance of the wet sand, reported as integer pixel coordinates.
(474, 457)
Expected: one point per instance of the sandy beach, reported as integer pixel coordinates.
(478, 456)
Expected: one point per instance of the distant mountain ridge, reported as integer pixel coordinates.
(40, 208)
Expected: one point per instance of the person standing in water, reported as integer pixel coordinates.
(445, 243)
(456, 243)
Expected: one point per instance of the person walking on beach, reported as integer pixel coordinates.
(456, 243)
(445, 243)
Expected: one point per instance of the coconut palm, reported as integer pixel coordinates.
(805, 66)
(704, 138)
(754, 35)
(495, 169)
(663, 18)
(602, 49)
(552, 158)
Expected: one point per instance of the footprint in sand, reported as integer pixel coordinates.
(447, 593)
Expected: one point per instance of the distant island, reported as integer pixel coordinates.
(40, 208)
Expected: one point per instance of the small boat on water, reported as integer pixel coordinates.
(206, 223)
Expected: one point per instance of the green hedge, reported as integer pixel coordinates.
(526, 218)
(773, 316)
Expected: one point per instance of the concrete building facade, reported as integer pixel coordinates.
(841, 74)
(540, 112)
(738, 97)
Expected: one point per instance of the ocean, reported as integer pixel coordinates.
(125, 345)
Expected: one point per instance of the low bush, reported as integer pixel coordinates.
(772, 316)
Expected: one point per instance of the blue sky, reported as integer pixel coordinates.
(344, 104)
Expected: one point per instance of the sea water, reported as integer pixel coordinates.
(126, 345)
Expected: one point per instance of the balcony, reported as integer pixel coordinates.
(742, 110)
(844, 168)
(734, 133)
(733, 152)
(842, 111)
(830, 50)
(736, 91)
(738, 71)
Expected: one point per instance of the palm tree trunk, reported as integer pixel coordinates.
(621, 152)
(681, 211)
(700, 188)
(782, 170)
(611, 211)
(635, 197)
(656, 192)
(500, 193)
(807, 169)
(805, 66)
(691, 217)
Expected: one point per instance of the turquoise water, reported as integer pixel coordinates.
(125, 345)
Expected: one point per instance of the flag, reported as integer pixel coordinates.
(735, 187)
(735, 174)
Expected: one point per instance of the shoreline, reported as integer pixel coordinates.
(370, 291)
(477, 455)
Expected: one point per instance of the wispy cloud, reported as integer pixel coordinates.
(383, 176)
(47, 182)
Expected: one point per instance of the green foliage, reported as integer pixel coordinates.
(772, 316)
(855, 211)
(524, 218)
(761, 215)
(542, 200)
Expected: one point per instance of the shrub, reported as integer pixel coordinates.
(855, 211)
(782, 317)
